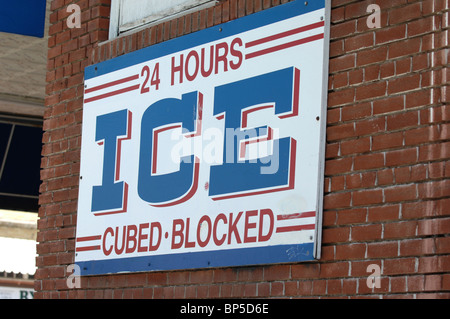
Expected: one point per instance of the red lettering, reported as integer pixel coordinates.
(221, 57)
(207, 220)
(153, 247)
(142, 237)
(188, 244)
(177, 233)
(220, 241)
(269, 213)
(211, 61)
(236, 53)
(248, 214)
(118, 250)
(178, 68)
(191, 77)
(232, 228)
(257, 226)
(131, 238)
(108, 230)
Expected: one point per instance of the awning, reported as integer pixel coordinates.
(26, 17)
(20, 161)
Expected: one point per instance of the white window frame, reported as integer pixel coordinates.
(115, 29)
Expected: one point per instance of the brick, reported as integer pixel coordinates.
(368, 161)
(410, 174)
(420, 135)
(339, 132)
(280, 272)
(338, 166)
(400, 266)
(382, 250)
(370, 126)
(340, 80)
(403, 48)
(372, 73)
(390, 34)
(337, 200)
(398, 284)
(402, 120)
(359, 146)
(342, 29)
(353, 181)
(201, 276)
(341, 97)
(53, 52)
(334, 287)
(434, 151)
(387, 141)
(400, 230)
(383, 213)
(335, 235)
(400, 157)
(433, 226)
(366, 232)
(400, 193)
(417, 247)
(359, 42)
(349, 252)
(402, 84)
(372, 56)
(337, 183)
(300, 271)
(387, 69)
(373, 90)
(358, 111)
(333, 270)
(352, 216)
(405, 13)
(403, 66)
(434, 264)
(434, 189)
(354, 10)
(336, 48)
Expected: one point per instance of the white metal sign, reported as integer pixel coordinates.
(207, 150)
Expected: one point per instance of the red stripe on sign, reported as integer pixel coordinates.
(89, 238)
(296, 216)
(284, 46)
(107, 85)
(285, 34)
(295, 228)
(102, 96)
(88, 248)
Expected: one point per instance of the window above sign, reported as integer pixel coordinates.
(128, 15)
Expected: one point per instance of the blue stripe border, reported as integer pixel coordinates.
(256, 20)
(201, 260)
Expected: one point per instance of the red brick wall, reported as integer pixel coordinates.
(387, 183)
